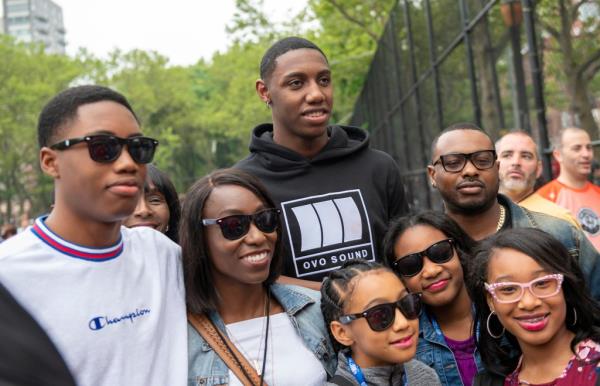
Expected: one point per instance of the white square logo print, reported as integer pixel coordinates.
(327, 230)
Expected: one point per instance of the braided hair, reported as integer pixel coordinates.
(337, 289)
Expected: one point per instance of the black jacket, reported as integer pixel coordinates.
(336, 206)
(27, 356)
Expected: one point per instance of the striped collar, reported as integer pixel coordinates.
(50, 238)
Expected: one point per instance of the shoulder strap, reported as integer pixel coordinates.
(225, 349)
(341, 381)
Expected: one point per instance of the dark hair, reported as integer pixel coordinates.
(440, 221)
(62, 108)
(268, 61)
(553, 256)
(163, 184)
(458, 126)
(338, 286)
(201, 295)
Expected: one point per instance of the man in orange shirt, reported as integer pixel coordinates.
(572, 190)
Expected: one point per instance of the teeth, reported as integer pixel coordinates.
(534, 320)
(315, 114)
(256, 258)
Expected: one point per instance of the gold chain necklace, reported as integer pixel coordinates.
(502, 218)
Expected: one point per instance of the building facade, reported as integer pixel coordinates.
(34, 21)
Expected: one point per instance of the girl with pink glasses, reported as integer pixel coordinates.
(530, 292)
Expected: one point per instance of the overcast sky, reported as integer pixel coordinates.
(182, 30)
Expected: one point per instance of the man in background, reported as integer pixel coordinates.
(572, 189)
(520, 167)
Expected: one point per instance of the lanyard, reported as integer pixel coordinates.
(356, 371)
(359, 376)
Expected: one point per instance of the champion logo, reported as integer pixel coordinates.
(326, 230)
(50, 238)
(99, 322)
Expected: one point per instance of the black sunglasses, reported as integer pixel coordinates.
(382, 316)
(105, 148)
(455, 162)
(439, 253)
(236, 226)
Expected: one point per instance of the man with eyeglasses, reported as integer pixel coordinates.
(465, 171)
(110, 298)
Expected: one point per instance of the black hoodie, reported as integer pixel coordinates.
(335, 206)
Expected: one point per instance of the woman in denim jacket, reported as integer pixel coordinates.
(231, 237)
(429, 252)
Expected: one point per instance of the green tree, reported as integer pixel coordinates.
(572, 55)
(29, 78)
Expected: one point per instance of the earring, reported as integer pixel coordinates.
(574, 317)
(487, 325)
(167, 228)
(268, 102)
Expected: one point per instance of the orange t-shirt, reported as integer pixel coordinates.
(583, 203)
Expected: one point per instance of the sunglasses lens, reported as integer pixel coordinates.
(409, 265)
(380, 317)
(141, 149)
(234, 227)
(410, 306)
(104, 149)
(440, 252)
(267, 220)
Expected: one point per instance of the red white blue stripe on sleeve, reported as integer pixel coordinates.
(54, 241)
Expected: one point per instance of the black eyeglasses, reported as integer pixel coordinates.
(410, 265)
(107, 148)
(382, 316)
(236, 226)
(455, 162)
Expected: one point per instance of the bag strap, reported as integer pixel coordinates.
(225, 349)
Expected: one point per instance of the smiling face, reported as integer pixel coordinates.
(440, 284)
(471, 190)
(533, 321)
(519, 165)
(151, 211)
(301, 98)
(86, 189)
(396, 344)
(246, 260)
(575, 154)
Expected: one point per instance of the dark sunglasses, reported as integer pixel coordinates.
(456, 162)
(107, 148)
(439, 253)
(382, 316)
(236, 226)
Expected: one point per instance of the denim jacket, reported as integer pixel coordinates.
(302, 306)
(572, 238)
(434, 352)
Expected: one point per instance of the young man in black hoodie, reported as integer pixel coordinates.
(336, 194)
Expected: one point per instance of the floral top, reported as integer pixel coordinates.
(582, 369)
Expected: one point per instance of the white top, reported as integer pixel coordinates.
(289, 362)
(116, 315)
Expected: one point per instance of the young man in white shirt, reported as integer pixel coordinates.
(110, 298)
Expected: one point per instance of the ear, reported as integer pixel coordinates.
(341, 333)
(48, 162)
(263, 91)
(538, 170)
(557, 155)
(431, 173)
(490, 301)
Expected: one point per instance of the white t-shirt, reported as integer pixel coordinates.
(289, 362)
(116, 315)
